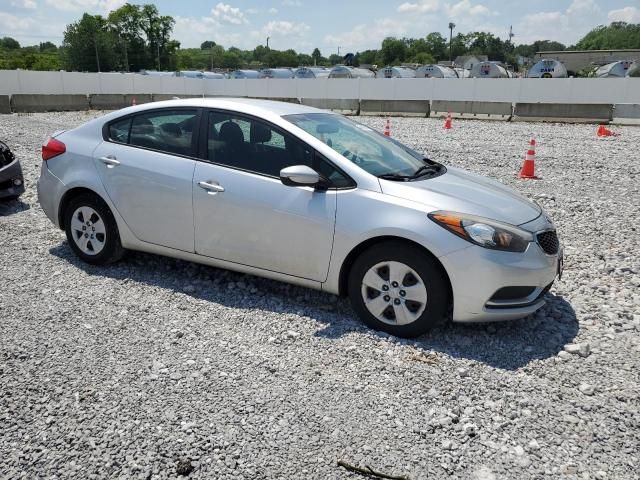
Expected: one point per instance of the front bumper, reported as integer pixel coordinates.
(11, 180)
(477, 273)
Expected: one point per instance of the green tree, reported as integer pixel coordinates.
(367, 57)
(157, 29)
(47, 47)
(437, 45)
(483, 43)
(334, 59)
(317, 56)
(9, 43)
(423, 58)
(207, 45)
(393, 50)
(304, 59)
(260, 53)
(231, 60)
(617, 35)
(89, 46)
(125, 24)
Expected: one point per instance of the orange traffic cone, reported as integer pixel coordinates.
(447, 122)
(605, 132)
(528, 167)
(387, 128)
(133, 102)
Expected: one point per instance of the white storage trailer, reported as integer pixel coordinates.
(213, 75)
(245, 74)
(155, 73)
(276, 73)
(488, 70)
(199, 74)
(436, 71)
(341, 71)
(614, 69)
(396, 72)
(548, 68)
(311, 72)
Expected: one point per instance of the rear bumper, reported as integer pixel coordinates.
(477, 273)
(50, 191)
(11, 180)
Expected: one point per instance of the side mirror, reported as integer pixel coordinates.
(299, 176)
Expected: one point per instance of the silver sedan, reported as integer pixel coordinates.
(303, 196)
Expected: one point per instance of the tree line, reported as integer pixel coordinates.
(137, 37)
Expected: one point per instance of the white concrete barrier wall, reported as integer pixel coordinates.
(526, 90)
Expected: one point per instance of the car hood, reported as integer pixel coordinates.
(464, 192)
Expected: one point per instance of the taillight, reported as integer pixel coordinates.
(52, 148)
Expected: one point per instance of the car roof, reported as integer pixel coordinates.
(263, 108)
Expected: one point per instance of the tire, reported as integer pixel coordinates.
(408, 312)
(98, 242)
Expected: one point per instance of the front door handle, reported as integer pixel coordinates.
(210, 187)
(110, 161)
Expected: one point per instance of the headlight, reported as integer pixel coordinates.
(484, 232)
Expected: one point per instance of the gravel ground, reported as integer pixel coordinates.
(154, 367)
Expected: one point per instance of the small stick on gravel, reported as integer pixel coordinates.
(370, 472)
(429, 358)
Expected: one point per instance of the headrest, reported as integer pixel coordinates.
(142, 125)
(259, 133)
(231, 133)
(171, 128)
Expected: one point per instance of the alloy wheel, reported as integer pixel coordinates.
(88, 230)
(394, 293)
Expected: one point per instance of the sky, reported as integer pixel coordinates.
(328, 24)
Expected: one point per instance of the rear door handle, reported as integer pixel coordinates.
(211, 188)
(110, 161)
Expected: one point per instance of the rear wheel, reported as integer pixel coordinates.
(398, 288)
(92, 231)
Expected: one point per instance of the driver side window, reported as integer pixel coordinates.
(247, 143)
(250, 144)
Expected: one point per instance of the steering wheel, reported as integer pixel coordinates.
(352, 156)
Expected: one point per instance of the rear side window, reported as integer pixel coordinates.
(119, 131)
(169, 131)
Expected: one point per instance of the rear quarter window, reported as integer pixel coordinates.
(119, 131)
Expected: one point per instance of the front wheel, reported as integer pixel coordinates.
(398, 288)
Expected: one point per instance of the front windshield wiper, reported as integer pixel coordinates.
(395, 176)
(422, 171)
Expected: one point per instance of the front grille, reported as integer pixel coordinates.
(549, 242)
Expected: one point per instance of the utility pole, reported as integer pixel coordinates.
(268, 42)
(338, 51)
(451, 27)
(95, 44)
(511, 34)
(126, 55)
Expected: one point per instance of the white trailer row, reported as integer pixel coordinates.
(545, 68)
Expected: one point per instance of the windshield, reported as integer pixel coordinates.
(370, 150)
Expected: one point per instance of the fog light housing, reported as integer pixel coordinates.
(17, 182)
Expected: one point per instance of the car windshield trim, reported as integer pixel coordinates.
(373, 152)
